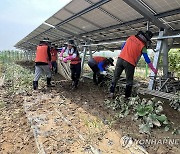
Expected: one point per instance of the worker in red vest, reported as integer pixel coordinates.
(75, 65)
(99, 66)
(42, 60)
(54, 57)
(134, 47)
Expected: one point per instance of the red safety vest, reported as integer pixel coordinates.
(41, 54)
(53, 55)
(132, 50)
(76, 60)
(98, 59)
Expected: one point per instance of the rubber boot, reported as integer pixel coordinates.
(128, 91)
(94, 79)
(73, 85)
(76, 83)
(112, 90)
(35, 85)
(49, 83)
(100, 78)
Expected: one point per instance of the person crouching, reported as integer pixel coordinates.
(99, 66)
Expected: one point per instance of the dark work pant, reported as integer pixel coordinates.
(75, 72)
(96, 72)
(129, 71)
(54, 66)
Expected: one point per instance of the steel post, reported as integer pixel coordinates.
(156, 60)
(83, 59)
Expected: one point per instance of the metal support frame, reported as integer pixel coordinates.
(26, 53)
(118, 40)
(68, 23)
(135, 4)
(90, 52)
(31, 56)
(83, 59)
(148, 25)
(77, 36)
(156, 60)
(167, 37)
(84, 19)
(128, 23)
(96, 5)
(165, 50)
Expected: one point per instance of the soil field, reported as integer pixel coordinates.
(62, 120)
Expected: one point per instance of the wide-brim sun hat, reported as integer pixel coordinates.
(148, 35)
(46, 40)
(71, 42)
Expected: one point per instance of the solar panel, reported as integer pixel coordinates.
(82, 24)
(104, 20)
(163, 5)
(53, 21)
(100, 18)
(77, 6)
(121, 10)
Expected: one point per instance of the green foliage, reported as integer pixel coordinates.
(17, 79)
(120, 104)
(148, 112)
(173, 58)
(175, 102)
(176, 131)
(174, 61)
(7, 56)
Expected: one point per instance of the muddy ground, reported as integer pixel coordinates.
(61, 120)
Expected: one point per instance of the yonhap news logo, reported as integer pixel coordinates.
(127, 141)
(155, 141)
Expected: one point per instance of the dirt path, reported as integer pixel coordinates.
(16, 136)
(62, 125)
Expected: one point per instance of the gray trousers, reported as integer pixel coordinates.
(39, 69)
(129, 71)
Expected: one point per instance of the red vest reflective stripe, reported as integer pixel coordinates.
(75, 60)
(41, 54)
(53, 55)
(98, 59)
(132, 50)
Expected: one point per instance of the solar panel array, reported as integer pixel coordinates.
(99, 21)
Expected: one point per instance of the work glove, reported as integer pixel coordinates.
(152, 68)
(65, 60)
(103, 72)
(61, 58)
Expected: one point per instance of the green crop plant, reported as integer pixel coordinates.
(148, 112)
(175, 102)
(174, 61)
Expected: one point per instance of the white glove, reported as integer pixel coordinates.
(104, 72)
(61, 58)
